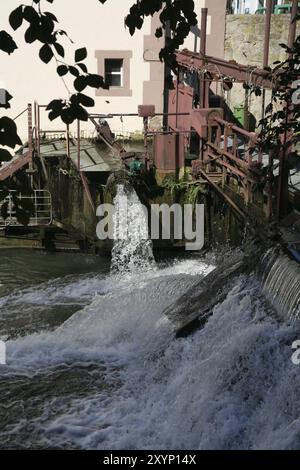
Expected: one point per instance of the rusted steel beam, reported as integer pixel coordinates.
(233, 169)
(240, 73)
(269, 8)
(81, 173)
(30, 136)
(293, 24)
(114, 146)
(87, 189)
(251, 135)
(78, 145)
(15, 165)
(222, 193)
(229, 155)
(204, 84)
(203, 33)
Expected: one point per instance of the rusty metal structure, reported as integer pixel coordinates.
(195, 134)
(228, 157)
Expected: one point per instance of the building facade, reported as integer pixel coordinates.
(129, 63)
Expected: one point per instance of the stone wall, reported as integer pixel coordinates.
(244, 43)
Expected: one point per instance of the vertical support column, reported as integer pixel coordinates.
(68, 140)
(283, 194)
(78, 146)
(146, 141)
(269, 9)
(204, 12)
(167, 72)
(224, 175)
(270, 177)
(205, 85)
(30, 142)
(293, 24)
(38, 130)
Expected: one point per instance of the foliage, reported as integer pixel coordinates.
(281, 116)
(177, 15)
(189, 190)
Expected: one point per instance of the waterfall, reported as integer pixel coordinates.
(132, 249)
(281, 283)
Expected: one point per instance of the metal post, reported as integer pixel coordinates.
(269, 9)
(146, 129)
(204, 98)
(270, 177)
(38, 130)
(204, 12)
(35, 123)
(177, 100)
(167, 72)
(68, 140)
(30, 143)
(293, 24)
(78, 145)
(282, 193)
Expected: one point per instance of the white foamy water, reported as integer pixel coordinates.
(113, 375)
(132, 248)
(230, 385)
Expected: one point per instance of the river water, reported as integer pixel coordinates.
(92, 363)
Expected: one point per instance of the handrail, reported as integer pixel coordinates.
(19, 115)
(43, 212)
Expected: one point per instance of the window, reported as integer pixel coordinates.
(114, 72)
(114, 66)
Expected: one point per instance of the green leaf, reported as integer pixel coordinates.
(7, 44)
(74, 71)
(62, 70)
(95, 81)
(5, 155)
(80, 83)
(16, 18)
(80, 54)
(59, 49)
(46, 53)
(85, 100)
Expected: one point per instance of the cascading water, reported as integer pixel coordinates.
(281, 283)
(109, 373)
(132, 248)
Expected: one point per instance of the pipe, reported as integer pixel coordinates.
(204, 93)
(78, 145)
(203, 33)
(293, 24)
(269, 9)
(167, 73)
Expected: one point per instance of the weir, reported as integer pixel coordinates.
(281, 283)
(200, 155)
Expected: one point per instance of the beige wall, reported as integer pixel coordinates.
(215, 27)
(99, 28)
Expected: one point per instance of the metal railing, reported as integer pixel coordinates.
(42, 209)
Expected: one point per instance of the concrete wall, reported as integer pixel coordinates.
(244, 43)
